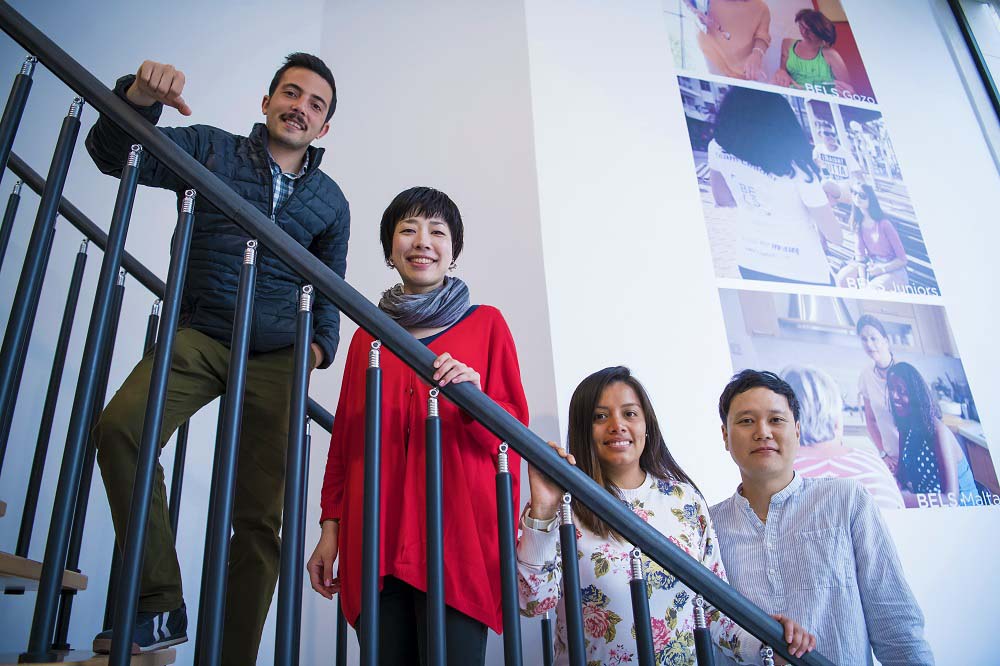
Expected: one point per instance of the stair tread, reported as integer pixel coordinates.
(19, 573)
(88, 658)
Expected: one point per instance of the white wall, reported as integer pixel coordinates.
(630, 276)
(557, 128)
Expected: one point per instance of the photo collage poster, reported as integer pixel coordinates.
(823, 273)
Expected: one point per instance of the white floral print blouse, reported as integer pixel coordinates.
(680, 513)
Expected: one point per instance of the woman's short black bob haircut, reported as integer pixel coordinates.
(423, 202)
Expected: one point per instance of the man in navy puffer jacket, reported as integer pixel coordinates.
(277, 170)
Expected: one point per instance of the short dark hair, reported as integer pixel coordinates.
(426, 202)
(751, 379)
(313, 64)
(655, 459)
(818, 24)
(874, 322)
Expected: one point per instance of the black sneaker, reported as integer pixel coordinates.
(153, 631)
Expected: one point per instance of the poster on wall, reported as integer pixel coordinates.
(805, 45)
(801, 190)
(883, 394)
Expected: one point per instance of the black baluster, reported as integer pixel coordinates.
(80, 419)
(209, 647)
(341, 636)
(177, 477)
(14, 109)
(703, 646)
(29, 285)
(547, 647)
(149, 447)
(436, 646)
(116, 555)
(7, 227)
(371, 537)
(213, 490)
(508, 561)
(640, 612)
(572, 595)
(49, 408)
(61, 642)
(286, 651)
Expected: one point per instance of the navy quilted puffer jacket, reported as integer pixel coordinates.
(316, 215)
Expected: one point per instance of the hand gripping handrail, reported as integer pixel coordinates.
(399, 341)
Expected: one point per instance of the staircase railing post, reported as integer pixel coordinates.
(508, 560)
(437, 650)
(7, 227)
(341, 651)
(286, 651)
(547, 648)
(14, 109)
(572, 594)
(368, 630)
(29, 286)
(209, 648)
(149, 447)
(640, 611)
(703, 646)
(49, 407)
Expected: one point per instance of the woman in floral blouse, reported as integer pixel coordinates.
(615, 438)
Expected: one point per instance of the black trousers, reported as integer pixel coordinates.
(403, 629)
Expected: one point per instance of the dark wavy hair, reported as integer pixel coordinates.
(874, 207)
(924, 409)
(425, 202)
(818, 25)
(313, 64)
(655, 459)
(761, 129)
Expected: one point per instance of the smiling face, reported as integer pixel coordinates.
(618, 434)
(762, 436)
(296, 112)
(421, 252)
(876, 346)
(899, 396)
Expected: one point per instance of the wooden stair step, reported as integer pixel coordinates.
(18, 574)
(88, 658)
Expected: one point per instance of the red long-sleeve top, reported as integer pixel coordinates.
(482, 341)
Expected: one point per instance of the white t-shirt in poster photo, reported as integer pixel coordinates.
(777, 234)
(837, 164)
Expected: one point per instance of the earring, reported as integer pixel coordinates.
(389, 264)
(453, 266)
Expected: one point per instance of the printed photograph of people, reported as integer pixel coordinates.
(803, 191)
(883, 393)
(801, 44)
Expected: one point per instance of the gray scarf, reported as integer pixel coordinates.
(441, 307)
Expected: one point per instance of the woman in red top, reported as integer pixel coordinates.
(421, 236)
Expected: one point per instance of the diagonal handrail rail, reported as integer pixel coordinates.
(688, 570)
(132, 266)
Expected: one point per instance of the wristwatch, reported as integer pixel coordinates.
(535, 523)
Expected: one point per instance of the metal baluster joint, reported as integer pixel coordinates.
(767, 656)
(157, 304)
(187, 206)
(134, 154)
(503, 466)
(566, 510)
(305, 300)
(250, 255)
(373, 354)
(432, 403)
(636, 564)
(84, 244)
(76, 107)
(121, 276)
(28, 67)
(17, 188)
(699, 612)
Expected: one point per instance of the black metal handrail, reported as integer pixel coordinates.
(399, 341)
(135, 268)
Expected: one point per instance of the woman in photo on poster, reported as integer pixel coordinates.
(615, 438)
(872, 388)
(422, 234)
(761, 164)
(812, 63)
(879, 257)
(930, 458)
(735, 36)
(823, 453)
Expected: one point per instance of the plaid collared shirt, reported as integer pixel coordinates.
(283, 183)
